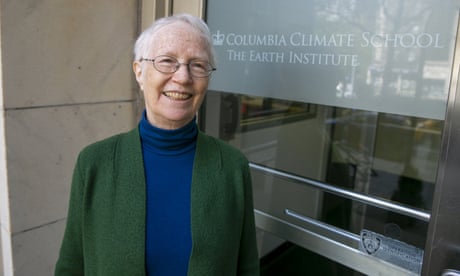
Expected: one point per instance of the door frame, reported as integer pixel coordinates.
(442, 250)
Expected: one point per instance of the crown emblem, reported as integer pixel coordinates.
(218, 39)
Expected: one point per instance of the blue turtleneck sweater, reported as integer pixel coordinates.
(168, 163)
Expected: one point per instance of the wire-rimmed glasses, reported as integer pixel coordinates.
(166, 64)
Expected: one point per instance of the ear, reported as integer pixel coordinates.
(137, 68)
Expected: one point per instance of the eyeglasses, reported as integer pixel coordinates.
(168, 65)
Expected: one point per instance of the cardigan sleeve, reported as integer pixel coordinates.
(105, 231)
(248, 261)
(70, 261)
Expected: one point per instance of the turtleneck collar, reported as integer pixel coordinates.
(167, 142)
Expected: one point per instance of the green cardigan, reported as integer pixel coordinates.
(105, 232)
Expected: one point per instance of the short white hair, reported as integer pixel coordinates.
(145, 40)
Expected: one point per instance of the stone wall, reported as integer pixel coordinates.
(66, 81)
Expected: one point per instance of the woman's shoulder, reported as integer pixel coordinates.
(107, 146)
(215, 145)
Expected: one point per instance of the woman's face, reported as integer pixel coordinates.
(172, 100)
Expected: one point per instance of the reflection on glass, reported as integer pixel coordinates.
(290, 259)
(258, 112)
(388, 156)
(385, 56)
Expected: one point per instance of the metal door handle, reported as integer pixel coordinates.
(370, 200)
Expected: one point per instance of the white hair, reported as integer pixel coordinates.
(145, 40)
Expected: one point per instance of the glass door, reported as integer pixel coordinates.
(340, 106)
(335, 171)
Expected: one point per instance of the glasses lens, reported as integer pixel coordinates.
(200, 68)
(166, 64)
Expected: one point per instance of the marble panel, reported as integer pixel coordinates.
(65, 52)
(42, 145)
(1, 257)
(194, 7)
(35, 252)
(6, 263)
(4, 200)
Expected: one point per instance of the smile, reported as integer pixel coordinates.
(177, 96)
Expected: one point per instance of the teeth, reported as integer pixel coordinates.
(177, 95)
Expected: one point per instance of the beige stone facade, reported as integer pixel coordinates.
(66, 81)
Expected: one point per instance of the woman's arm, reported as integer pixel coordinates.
(70, 261)
(248, 263)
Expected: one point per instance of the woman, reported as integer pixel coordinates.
(164, 198)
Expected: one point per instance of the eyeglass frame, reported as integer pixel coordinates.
(178, 64)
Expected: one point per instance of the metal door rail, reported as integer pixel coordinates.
(323, 243)
(377, 202)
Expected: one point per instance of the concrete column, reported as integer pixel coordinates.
(66, 81)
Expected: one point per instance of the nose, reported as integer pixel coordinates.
(183, 73)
